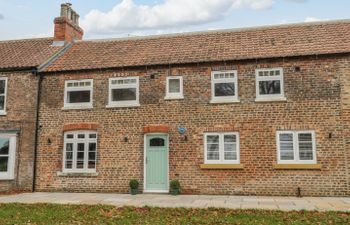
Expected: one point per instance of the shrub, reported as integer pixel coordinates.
(134, 184)
(175, 184)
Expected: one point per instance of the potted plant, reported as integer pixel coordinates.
(134, 185)
(174, 187)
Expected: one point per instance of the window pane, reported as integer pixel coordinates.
(80, 164)
(269, 87)
(2, 86)
(213, 139)
(81, 136)
(92, 147)
(157, 142)
(2, 102)
(92, 156)
(286, 147)
(230, 138)
(78, 96)
(305, 146)
(92, 136)
(69, 164)
(230, 152)
(125, 94)
(80, 146)
(70, 136)
(69, 147)
(4, 146)
(92, 165)
(213, 147)
(80, 156)
(3, 164)
(224, 89)
(174, 85)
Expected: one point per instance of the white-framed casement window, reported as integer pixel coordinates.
(80, 152)
(221, 148)
(123, 92)
(78, 93)
(174, 87)
(3, 93)
(224, 86)
(296, 147)
(7, 156)
(269, 84)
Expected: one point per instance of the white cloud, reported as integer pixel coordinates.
(128, 16)
(313, 19)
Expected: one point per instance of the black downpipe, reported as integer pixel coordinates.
(37, 128)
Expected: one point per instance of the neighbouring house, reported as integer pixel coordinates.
(256, 111)
(20, 61)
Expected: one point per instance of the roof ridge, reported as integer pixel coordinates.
(229, 30)
(26, 39)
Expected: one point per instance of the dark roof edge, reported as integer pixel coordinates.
(19, 69)
(54, 57)
(189, 63)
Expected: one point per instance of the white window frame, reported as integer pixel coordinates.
(3, 112)
(75, 141)
(79, 88)
(269, 97)
(221, 149)
(132, 103)
(224, 99)
(10, 174)
(296, 147)
(169, 95)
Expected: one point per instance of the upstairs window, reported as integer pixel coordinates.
(78, 93)
(224, 86)
(123, 92)
(269, 84)
(295, 147)
(221, 148)
(80, 148)
(174, 87)
(3, 92)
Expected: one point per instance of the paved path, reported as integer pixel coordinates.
(194, 201)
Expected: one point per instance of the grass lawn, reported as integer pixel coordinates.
(101, 214)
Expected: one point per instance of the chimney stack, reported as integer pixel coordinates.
(67, 26)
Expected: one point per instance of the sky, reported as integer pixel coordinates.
(122, 18)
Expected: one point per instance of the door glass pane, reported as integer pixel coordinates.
(269, 87)
(174, 85)
(157, 142)
(286, 147)
(305, 146)
(125, 94)
(3, 164)
(78, 96)
(4, 146)
(224, 89)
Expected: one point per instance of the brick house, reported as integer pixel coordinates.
(257, 111)
(20, 63)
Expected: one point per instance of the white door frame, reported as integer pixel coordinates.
(144, 163)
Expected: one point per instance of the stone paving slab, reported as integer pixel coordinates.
(187, 201)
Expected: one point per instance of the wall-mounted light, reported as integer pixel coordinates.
(49, 141)
(126, 139)
(152, 76)
(296, 69)
(330, 135)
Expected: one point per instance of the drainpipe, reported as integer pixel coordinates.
(37, 126)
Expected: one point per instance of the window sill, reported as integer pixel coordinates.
(123, 105)
(218, 101)
(77, 174)
(76, 107)
(3, 113)
(6, 178)
(281, 99)
(222, 166)
(297, 166)
(174, 97)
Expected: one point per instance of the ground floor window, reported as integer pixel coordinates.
(296, 147)
(80, 149)
(221, 148)
(7, 156)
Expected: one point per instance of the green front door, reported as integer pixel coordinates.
(157, 161)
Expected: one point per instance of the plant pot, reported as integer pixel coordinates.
(133, 191)
(174, 191)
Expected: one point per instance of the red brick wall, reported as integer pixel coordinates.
(21, 115)
(66, 31)
(313, 102)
